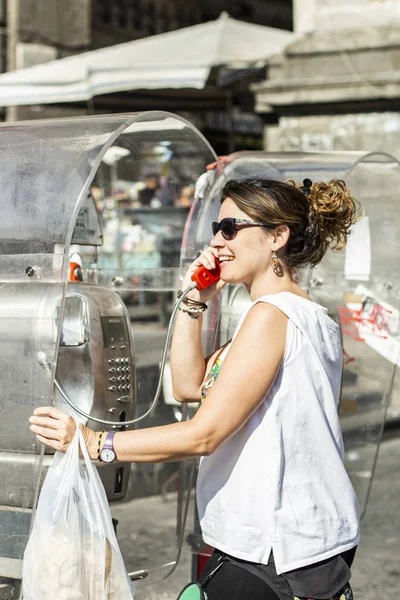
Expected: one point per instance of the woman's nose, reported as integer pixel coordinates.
(217, 241)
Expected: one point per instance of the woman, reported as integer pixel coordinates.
(273, 495)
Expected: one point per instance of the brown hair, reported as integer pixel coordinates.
(319, 216)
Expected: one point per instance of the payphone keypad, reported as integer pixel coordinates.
(119, 373)
(118, 360)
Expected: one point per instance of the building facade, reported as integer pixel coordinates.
(337, 87)
(37, 31)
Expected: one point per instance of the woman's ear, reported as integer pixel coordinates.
(281, 236)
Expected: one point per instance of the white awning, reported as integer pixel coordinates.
(177, 59)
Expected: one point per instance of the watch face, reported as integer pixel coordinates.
(107, 455)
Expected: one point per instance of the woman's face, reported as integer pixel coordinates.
(248, 254)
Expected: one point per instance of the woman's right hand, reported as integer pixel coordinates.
(206, 259)
(56, 429)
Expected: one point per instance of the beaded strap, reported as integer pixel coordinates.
(99, 445)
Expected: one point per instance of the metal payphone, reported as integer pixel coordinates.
(96, 367)
(73, 339)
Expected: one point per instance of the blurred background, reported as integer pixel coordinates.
(333, 84)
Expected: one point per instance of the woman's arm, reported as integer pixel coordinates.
(187, 358)
(188, 365)
(246, 377)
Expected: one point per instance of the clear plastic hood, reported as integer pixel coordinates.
(49, 167)
(111, 193)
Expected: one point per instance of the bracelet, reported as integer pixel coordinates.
(194, 313)
(99, 445)
(191, 302)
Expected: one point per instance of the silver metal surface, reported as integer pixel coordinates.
(83, 369)
(124, 399)
(31, 309)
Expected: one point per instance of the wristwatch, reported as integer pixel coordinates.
(107, 453)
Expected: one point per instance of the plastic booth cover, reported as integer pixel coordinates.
(360, 287)
(105, 196)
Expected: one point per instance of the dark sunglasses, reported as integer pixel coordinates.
(229, 227)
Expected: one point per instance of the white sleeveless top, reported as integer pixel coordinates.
(279, 483)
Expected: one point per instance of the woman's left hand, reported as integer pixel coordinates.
(53, 427)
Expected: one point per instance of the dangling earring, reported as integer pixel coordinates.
(276, 265)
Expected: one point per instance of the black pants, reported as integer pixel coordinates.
(233, 582)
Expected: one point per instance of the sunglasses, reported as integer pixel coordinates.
(229, 227)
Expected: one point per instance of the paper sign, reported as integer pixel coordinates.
(357, 264)
(374, 322)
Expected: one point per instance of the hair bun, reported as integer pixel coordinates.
(335, 211)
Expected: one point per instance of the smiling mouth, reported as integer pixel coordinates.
(225, 259)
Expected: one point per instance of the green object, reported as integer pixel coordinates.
(196, 591)
(192, 591)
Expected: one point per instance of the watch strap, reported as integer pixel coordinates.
(108, 445)
(109, 441)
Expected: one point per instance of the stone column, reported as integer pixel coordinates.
(304, 15)
(43, 30)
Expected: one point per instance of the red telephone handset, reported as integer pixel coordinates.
(204, 277)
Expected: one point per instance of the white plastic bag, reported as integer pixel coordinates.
(73, 553)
